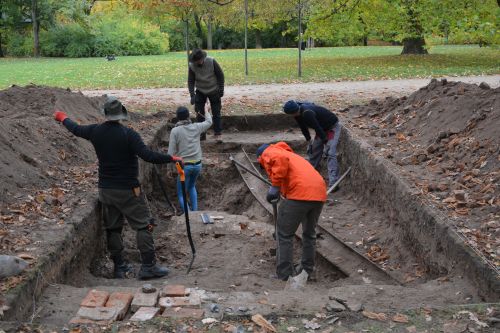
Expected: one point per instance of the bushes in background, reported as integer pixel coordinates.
(126, 36)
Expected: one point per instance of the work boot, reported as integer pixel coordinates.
(149, 268)
(122, 269)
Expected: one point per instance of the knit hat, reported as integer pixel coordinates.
(290, 107)
(197, 54)
(114, 110)
(182, 113)
(261, 149)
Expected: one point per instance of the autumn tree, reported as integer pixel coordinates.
(405, 21)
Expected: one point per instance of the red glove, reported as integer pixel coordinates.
(60, 116)
(177, 159)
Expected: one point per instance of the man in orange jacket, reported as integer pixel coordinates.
(304, 191)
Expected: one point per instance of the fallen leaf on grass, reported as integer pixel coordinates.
(400, 318)
(376, 316)
(292, 329)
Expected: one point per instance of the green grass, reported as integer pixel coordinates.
(265, 66)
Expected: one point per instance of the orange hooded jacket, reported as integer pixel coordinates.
(295, 176)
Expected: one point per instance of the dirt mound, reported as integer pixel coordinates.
(32, 145)
(445, 138)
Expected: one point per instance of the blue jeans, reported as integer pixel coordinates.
(330, 150)
(192, 172)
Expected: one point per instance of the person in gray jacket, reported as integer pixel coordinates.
(207, 77)
(185, 141)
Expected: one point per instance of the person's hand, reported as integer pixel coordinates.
(221, 93)
(60, 116)
(310, 147)
(176, 159)
(192, 99)
(273, 194)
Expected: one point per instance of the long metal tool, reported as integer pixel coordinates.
(182, 177)
(249, 171)
(162, 188)
(338, 181)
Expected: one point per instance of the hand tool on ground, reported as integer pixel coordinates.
(249, 171)
(182, 177)
(338, 181)
(157, 175)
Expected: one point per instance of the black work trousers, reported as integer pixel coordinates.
(119, 204)
(215, 103)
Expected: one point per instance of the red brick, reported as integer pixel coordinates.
(174, 290)
(121, 302)
(97, 314)
(192, 301)
(145, 313)
(95, 298)
(179, 313)
(144, 300)
(81, 321)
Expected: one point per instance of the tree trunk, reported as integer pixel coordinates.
(414, 45)
(209, 34)
(199, 30)
(186, 40)
(258, 39)
(365, 31)
(1, 50)
(36, 28)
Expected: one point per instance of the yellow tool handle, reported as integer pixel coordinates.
(180, 170)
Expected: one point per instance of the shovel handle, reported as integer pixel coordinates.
(180, 170)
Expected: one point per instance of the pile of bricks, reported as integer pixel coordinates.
(172, 301)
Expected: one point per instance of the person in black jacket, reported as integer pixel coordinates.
(327, 127)
(207, 76)
(117, 148)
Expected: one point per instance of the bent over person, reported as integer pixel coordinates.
(304, 192)
(185, 142)
(327, 127)
(117, 148)
(207, 77)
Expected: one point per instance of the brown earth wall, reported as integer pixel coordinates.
(412, 220)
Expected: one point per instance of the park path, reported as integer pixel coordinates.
(269, 97)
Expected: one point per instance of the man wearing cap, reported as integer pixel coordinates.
(327, 127)
(185, 142)
(117, 148)
(304, 192)
(207, 77)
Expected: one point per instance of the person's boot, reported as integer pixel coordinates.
(149, 268)
(122, 269)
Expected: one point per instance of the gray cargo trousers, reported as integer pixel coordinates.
(118, 204)
(291, 214)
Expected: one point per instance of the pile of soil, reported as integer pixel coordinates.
(445, 138)
(34, 147)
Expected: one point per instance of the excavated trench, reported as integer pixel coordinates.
(233, 254)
